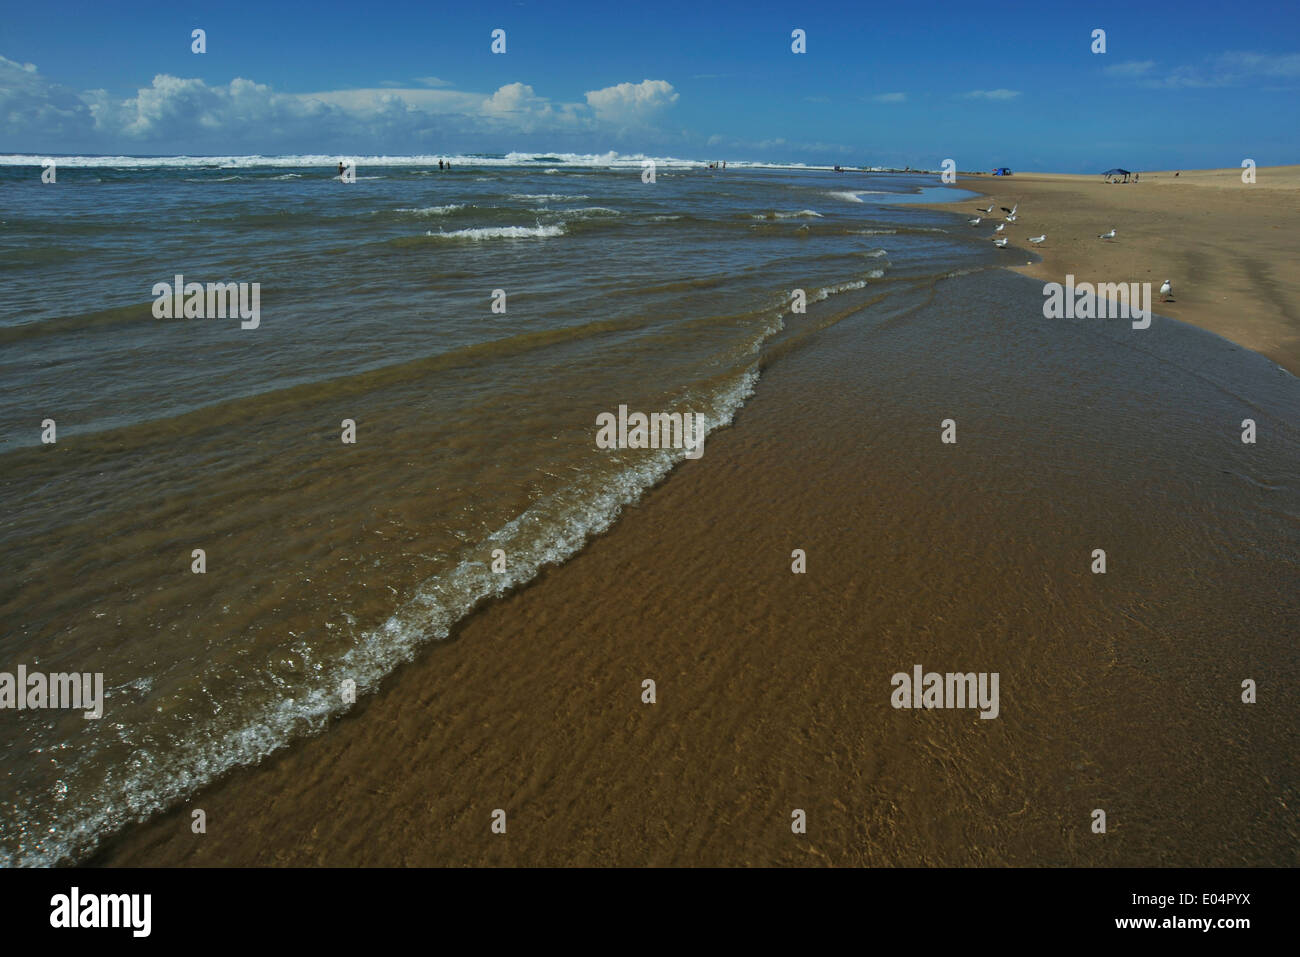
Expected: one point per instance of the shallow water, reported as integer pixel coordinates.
(328, 562)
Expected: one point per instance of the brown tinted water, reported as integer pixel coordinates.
(1119, 692)
(328, 562)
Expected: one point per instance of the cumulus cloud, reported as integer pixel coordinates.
(188, 115)
(631, 104)
(514, 98)
(37, 109)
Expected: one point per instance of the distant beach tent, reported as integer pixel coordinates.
(1116, 172)
(1002, 171)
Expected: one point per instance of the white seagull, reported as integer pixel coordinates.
(1000, 242)
(1166, 289)
(1011, 218)
(986, 211)
(1109, 235)
(1037, 239)
(974, 222)
(1001, 226)
(1012, 210)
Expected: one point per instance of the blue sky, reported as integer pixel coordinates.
(1185, 84)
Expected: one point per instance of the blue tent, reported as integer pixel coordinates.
(1117, 172)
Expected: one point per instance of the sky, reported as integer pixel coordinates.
(1179, 85)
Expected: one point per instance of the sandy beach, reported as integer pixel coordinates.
(585, 440)
(1229, 247)
(1119, 692)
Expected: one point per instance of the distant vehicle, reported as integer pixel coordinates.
(1002, 171)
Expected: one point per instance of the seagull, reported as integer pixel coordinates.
(1037, 239)
(1012, 210)
(1109, 235)
(986, 211)
(1011, 218)
(974, 222)
(1166, 289)
(1000, 242)
(1001, 226)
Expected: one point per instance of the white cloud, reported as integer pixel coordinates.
(1239, 63)
(631, 104)
(1130, 68)
(1232, 68)
(514, 98)
(991, 94)
(779, 144)
(37, 109)
(369, 100)
(187, 115)
(890, 97)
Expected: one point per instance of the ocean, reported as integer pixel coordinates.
(466, 329)
(474, 427)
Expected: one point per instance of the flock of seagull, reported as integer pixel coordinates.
(1166, 289)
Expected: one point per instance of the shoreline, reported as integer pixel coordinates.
(1228, 247)
(773, 688)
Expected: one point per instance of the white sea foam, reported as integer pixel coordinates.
(827, 291)
(544, 197)
(501, 232)
(431, 210)
(797, 214)
(133, 790)
(855, 195)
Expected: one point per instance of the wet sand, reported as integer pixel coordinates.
(1118, 691)
(1229, 247)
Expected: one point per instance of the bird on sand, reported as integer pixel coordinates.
(1166, 290)
(1109, 235)
(1011, 218)
(1012, 210)
(1000, 242)
(986, 211)
(1037, 239)
(1001, 226)
(974, 222)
